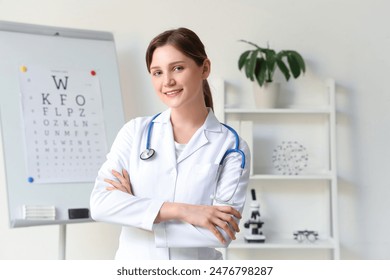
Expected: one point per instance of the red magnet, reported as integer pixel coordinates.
(93, 73)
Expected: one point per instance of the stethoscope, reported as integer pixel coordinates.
(149, 153)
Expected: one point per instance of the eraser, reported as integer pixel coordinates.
(78, 213)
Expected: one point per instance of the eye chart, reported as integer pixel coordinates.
(64, 131)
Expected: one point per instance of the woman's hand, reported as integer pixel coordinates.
(206, 216)
(212, 216)
(123, 185)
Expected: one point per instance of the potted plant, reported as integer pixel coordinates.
(260, 65)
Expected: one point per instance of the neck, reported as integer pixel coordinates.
(186, 122)
(188, 116)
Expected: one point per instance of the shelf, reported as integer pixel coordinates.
(240, 243)
(28, 223)
(324, 176)
(325, 110)
(314, 190)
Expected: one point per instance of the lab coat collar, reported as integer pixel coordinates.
(211, 123)
(199, 139)
(164, 117)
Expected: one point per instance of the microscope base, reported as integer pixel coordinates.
(255, 238)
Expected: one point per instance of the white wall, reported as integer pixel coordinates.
(347, 40)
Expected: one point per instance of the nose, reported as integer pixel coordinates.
(169, 81)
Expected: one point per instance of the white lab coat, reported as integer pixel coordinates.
(189, 179)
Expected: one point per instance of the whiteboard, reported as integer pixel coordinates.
(60, 110)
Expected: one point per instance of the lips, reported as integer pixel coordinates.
(173, 92)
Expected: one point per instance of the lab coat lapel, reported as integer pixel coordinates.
(199, 139)
(166, 134)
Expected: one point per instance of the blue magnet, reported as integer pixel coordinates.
(30, 179)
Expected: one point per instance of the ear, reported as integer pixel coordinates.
(206, 68)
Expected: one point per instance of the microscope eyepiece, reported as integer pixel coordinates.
(253, 192)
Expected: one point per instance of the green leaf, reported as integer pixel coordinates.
(242, 60)
(271, 60)
(300, 60)
(251, 65)
(247, 68)
(261, 71)
(294, 65)
(283, 68)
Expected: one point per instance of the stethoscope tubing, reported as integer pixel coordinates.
(150, 127)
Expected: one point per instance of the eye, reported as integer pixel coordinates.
(178, 68)
(157, 73)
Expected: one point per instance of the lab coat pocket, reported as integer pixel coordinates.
(202, 182)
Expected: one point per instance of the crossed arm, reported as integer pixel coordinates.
(206, 216)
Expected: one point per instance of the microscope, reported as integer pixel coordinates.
(254, 224)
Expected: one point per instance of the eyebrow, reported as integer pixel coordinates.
(172, 63)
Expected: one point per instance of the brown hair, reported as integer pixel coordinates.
(189, 44)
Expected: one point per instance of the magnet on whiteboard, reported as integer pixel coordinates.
(30, 179)
(93, 72)
(23, 69)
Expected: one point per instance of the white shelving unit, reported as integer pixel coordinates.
(290, 202)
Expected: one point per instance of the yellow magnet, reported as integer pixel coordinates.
(23, 69)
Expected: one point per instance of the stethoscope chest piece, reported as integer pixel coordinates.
(147, 154)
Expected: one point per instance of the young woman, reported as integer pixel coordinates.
(169, 179)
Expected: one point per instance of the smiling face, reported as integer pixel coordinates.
(177, 79)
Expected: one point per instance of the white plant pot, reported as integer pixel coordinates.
(267, 95)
